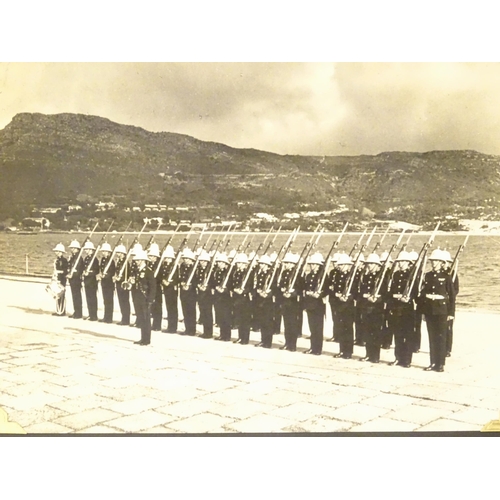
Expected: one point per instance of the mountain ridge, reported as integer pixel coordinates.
(55, 159)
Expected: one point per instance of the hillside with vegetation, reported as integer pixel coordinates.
(65, 159)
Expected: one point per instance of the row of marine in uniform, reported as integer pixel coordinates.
(373, 301)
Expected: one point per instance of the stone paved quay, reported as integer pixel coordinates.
(59, 375)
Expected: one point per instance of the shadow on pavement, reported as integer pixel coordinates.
(95, 334)
(32, 311)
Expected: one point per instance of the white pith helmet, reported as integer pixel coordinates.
(438, 254)
(384, 257)
(316, 258)
(413, 256)
(204, 256)
(265, 260)
(373, 258)
(154, 250)
(169, 252)
(136, 248)
(187, 253)
(59, 248)
(88, 246)
(289, 258)
(222, 257)
(241, 258)
(140, 255)
(106, 247)
(343, 259)
(74, 244)
(403, 256)
(121, 249)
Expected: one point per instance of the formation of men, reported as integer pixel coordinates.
(373, 301)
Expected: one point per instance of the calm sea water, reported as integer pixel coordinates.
(478, 270)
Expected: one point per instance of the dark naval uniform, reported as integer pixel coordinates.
(107, 287)
(291, 307)
(315, 309)
(188, 298)
(90, 285)
(123, 293)
(145, 286)
(371, 314)
(75, 283)
(342, 312)
(222, 303)
(171, 295)
(157, 307)
(204, 295)
(437, 302)
(401, 316)
(263, 307)
(241, 304)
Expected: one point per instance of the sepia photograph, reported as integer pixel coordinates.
(249, 248)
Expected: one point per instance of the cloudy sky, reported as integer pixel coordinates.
(287, 108)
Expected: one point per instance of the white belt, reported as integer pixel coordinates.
(434, 296)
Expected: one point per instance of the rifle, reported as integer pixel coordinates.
(114, 251)
(413, 276)
(356, 245)
(311, 248)
(129, 251)
(230, 233)
(195, 265)
(178, 256)
(379, 242)
(296, 231)
(231, 266)
(283, 250)
(352, 275)
(254, 259)
(271, 243)
(386, 265)
(454, 265)
(212, 261)
(160, 262)
(407, 241)
(89, 267)
(148, 244)
(73, 269)
(328, 257)
(302, 259)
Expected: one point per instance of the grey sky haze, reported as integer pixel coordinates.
(287, 108)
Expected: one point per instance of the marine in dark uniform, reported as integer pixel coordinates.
(75, 270)
(122, 273)
(157, 307)
(91, 270)
(204, 295)
(145, 285)
(222, 297)
(371, 307)
(187, 292)
(105, 277)
(314, 305)
(240, 288)
(342, 306)
(291, 306)
(60, 272)
(401, 309)
(170, 288)
(263, 304)
(437, 303)
(137, 249)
